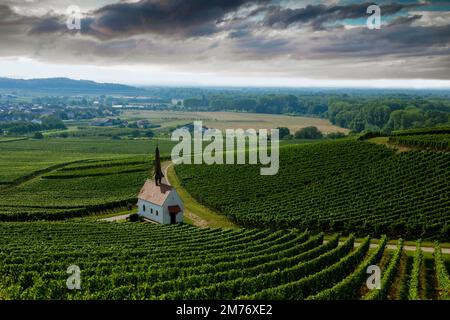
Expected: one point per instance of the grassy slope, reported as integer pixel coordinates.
(207, 217)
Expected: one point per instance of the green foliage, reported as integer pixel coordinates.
(356, 111)
(135, 218)
(284, 132)
(73, 193)
(422, 131)
(309, 133)
(147, 261)
(442, 276)
(414, 282)
(24, 127)
(38, 135)
(71, 177)
(388, 275)
(349, 186)
(427, 141)
(348, 288)
(336, 135)
(323, 278)
(387, 113)
(90, 132)
(89, 147)
(369, 135)
(138, 260)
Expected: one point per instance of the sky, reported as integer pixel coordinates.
(280, 43)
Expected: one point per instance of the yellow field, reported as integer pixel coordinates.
(233, 120)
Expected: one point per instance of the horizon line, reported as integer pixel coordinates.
(256, 86)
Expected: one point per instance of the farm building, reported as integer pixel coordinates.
(160, 202)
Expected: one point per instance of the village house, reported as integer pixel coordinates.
(158, 201)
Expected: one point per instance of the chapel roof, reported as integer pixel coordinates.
(156, 194)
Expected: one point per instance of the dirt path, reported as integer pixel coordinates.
(385, 141)
(116, 218)
(406, 248)
(195, 219)
(165, 167)
(195, 212)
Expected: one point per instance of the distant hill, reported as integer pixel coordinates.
(67, 86)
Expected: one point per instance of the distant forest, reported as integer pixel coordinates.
(358, 112)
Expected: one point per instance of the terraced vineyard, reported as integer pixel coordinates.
(54, 179)
(76, 189)
(427, 141)
(145, 261)
(20, 160)
(347, 186)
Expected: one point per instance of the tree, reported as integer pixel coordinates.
(284, 132)
(309, 133)
(194, 103)
(149, 134)
(135, 133)
(335, 135)
(51, 122)
(38, 135)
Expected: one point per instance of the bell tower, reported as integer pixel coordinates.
(158, 172)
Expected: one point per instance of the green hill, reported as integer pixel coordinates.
(348, 186)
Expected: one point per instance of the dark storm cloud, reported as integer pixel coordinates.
(228, 32)
(397, 39)
(405, 20)
(9, 17)
(318, 15)
(48, 25)
(179, 18)
(13, 24)
(5, 11)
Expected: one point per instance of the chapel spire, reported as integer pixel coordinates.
(158, 172)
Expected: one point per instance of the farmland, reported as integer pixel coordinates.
(271, 245)
(61, 178)
(26, 157)
(347, 186)
(225, 158)
(133, 261)
(80, 190)
(234, 120)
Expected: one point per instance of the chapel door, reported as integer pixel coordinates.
(173, 218)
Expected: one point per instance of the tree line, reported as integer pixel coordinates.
(25, 127)
(362, 112)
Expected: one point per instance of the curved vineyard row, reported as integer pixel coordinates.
(76, 189)
(388, 276)
(347, 186)
(442, 276)
(146, 261)
(414, 283)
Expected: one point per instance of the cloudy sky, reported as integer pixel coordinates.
(229, 42)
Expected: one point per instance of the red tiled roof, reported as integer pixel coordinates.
(174, 209)
(155, 194)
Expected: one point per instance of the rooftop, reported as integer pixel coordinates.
(155, 194)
